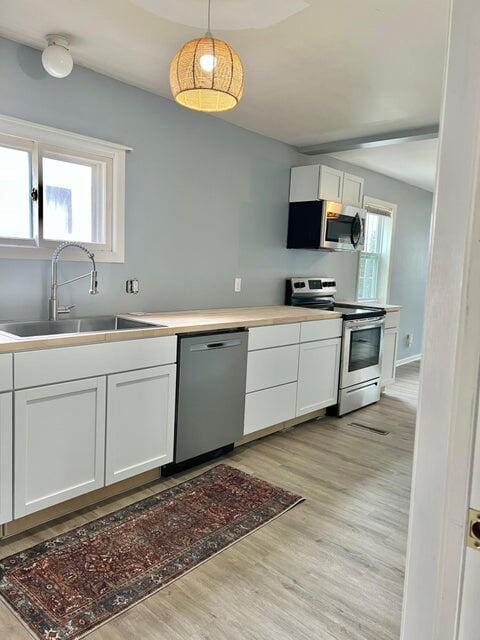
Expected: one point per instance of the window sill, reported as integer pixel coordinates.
(72, 255)
(366, 303)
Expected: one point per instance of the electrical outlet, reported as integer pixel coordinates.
(132, 286)
(409, 340)
(238, 285)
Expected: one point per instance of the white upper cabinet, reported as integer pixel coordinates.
(352, 190)
(304, 183)
(320, 182)
(140, 421)
(59, 443)
(330, 185)
(6, 457)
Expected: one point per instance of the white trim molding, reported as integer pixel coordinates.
(449, 388)
(414, 358)
(26, 128)
(110, 155)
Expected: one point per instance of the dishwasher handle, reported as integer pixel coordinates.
(208, 346)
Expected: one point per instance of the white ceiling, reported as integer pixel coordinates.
(228, 14)
(316, 70)
(412, 162)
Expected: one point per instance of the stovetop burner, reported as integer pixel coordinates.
(317, 293)
(348, 312)
(359, 313)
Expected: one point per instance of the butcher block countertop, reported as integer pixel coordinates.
(174, 322)
(213, 319)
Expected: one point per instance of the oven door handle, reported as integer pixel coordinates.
(360, 325)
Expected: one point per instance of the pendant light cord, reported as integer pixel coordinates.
(209, 33)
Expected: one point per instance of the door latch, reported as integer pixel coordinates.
(34, 194)
(473, 539)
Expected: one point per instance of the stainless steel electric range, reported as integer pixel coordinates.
(362, 341)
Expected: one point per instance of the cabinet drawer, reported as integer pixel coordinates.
(272, 367)
(392, 319)
(6, 372)
(321, 330)
(273, 336)
(269, 407)
(34, 368)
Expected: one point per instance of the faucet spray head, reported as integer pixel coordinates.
(93, 283)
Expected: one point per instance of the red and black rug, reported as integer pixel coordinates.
(68, 586)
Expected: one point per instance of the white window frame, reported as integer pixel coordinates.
(40, 138)
(389, 209)
(32, 148)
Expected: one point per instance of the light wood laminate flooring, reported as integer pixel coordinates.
(330, 569)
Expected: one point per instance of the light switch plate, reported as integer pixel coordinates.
(238, 285)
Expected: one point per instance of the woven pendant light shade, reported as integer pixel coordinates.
(207, 75)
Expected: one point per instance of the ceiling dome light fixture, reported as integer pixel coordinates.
(207, 74)
(56, 57)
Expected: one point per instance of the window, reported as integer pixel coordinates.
(16, 178)
(374, 259)
(57, 186)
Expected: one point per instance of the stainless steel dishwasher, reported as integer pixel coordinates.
(211, 381)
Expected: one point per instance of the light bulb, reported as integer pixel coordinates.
(208, 62)
(56, 58)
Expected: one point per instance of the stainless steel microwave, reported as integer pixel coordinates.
(325, 225)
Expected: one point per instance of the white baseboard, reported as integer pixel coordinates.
(417, 356)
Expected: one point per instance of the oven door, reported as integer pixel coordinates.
(342, 227)
(362, 351)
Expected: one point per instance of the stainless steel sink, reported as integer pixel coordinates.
(71, 325)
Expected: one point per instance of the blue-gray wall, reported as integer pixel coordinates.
(205, 202)
(410, 246)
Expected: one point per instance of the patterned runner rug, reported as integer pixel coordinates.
(66, 587)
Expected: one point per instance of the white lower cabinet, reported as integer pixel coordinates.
(59, 443)
(284, 382)
(48, 366)
(390, 342)
(140, 421)
(272, 367)
(6, 457)
(277, 335)
(269, 407)
(318, 371)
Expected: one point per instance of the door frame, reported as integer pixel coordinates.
(448, 403)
